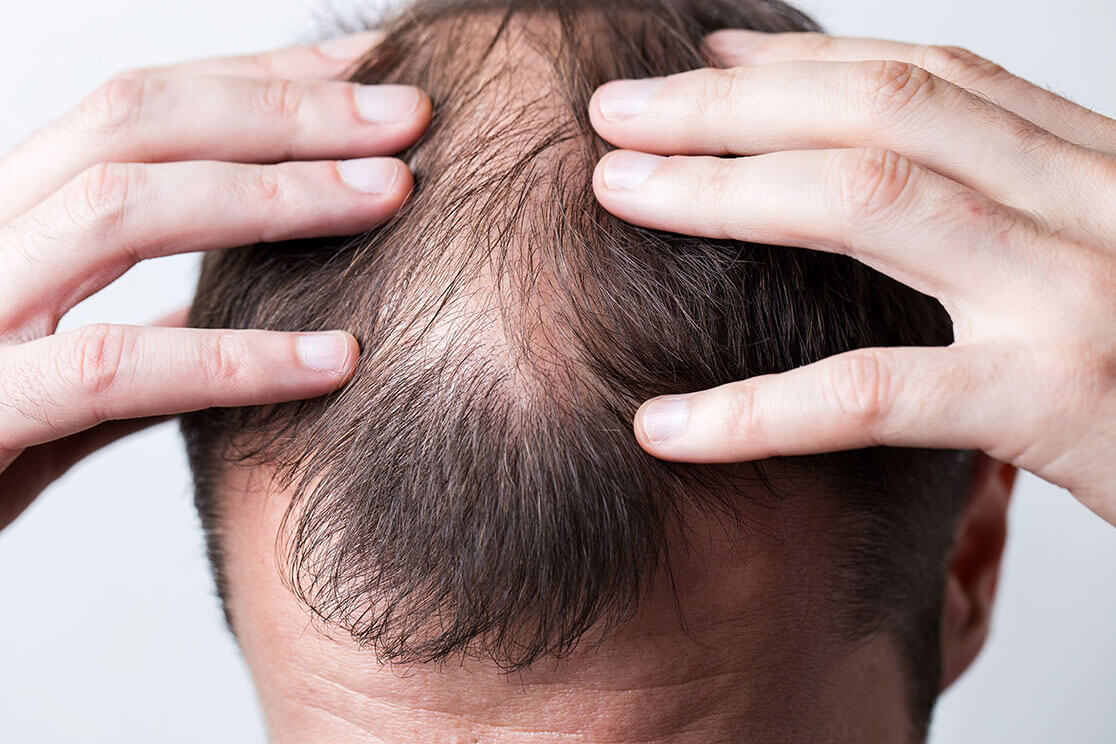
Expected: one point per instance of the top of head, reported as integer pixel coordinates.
(476, 487)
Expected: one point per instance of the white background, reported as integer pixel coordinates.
(109, 630)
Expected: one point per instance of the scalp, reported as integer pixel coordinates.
(476, 488)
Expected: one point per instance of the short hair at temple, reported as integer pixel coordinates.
(476, 487)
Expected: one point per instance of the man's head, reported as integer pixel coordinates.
(476, 492)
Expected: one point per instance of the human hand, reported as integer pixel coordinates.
(937, 168)
(164, 161)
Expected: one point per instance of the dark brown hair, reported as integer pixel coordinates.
(476, 488)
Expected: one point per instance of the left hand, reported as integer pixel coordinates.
(203, 155)
(933, 166)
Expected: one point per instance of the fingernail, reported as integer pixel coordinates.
(624, 99)
(625, 169)
(323, 352)
(370, 175)
(386, 104)
(665, 418)
(735, 40)
(350, 46)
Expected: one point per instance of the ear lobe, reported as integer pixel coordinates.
(974, 566)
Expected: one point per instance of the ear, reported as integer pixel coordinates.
(974, 566)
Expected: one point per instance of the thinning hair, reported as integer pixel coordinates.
(476, 488)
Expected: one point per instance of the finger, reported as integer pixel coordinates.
(69, 382)
(158, 119)
(324, 60)
(937, 398)
(24, 475)
(960, 66)
(894, 105)
(874, 205)
(115, 215)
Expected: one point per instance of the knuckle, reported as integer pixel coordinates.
(719, 89)
(281, 99)
(872, 182)
(95, 359)
(886, 89)
(223, 358)
(740, 410)
(98, 198)
(265, 64)
(721, 96)
(815, 43)
(860, 389)
(960, 65)
(1003, 229)
(716, 185)
(116, 104)
(265, 185)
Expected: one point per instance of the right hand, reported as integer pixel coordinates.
(165, 161)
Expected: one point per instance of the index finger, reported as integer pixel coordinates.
(321, 61)
(959, 66)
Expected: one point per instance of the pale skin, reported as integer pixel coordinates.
(200, 156)
(928, 164)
